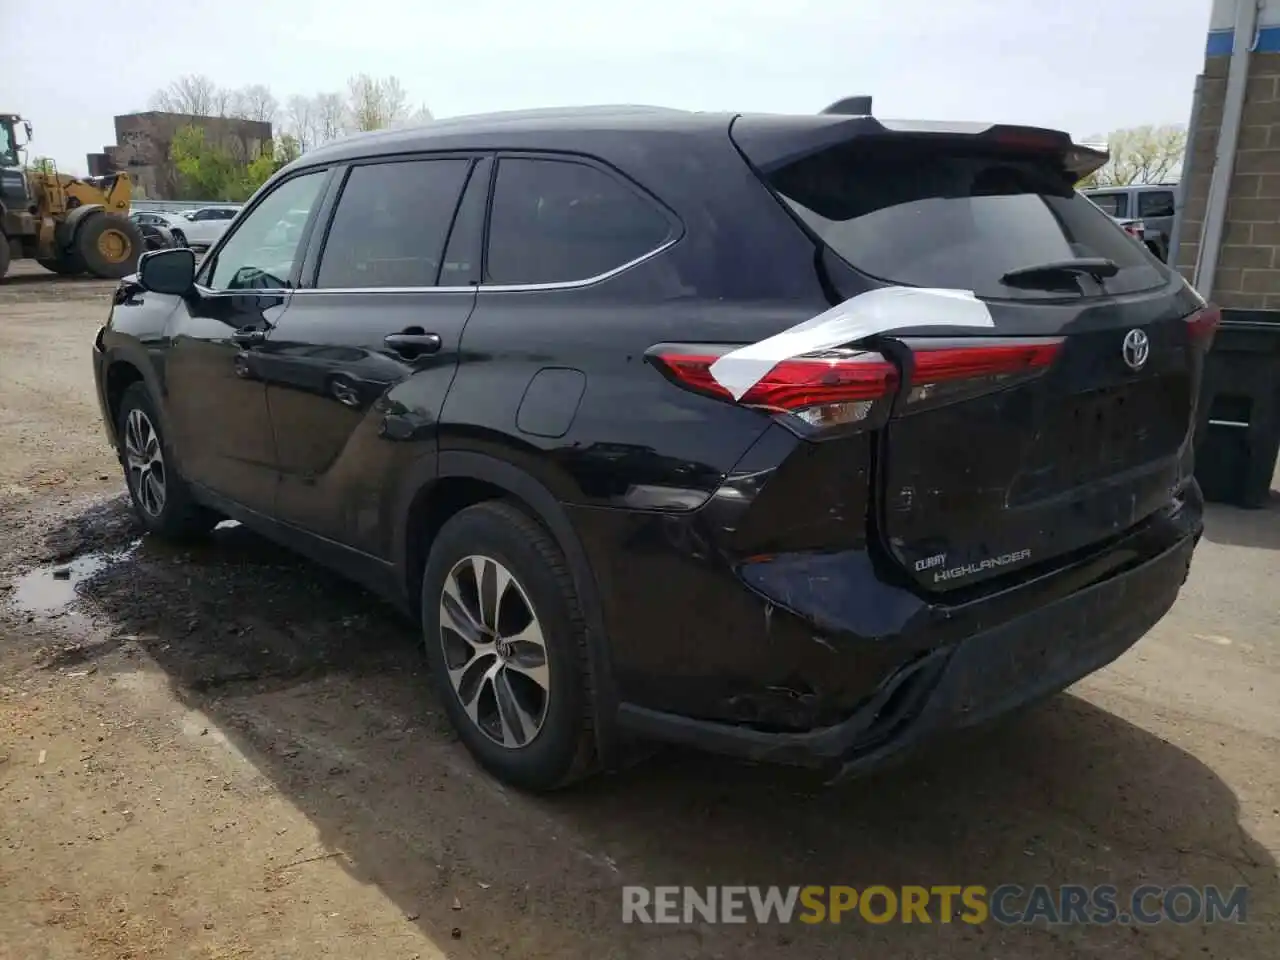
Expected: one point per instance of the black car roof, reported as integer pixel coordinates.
(520, 129)
(620, 133)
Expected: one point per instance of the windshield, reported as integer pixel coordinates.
(8, 146)
(935, 216)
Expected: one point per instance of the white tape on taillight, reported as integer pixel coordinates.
(866, 315)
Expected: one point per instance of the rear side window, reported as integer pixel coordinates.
(1155, 203)
(925, 215)
(1115, 204)
(557, 221)
(391, 222)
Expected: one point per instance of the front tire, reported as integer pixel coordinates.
(506, 642)
(161, 498)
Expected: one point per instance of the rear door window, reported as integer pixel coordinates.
(1155, 203)
(559, 221)
(926, 215)
(391, 222)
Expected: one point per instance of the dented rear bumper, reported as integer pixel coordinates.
(956, 665)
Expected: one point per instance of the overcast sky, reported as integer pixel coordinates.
(1087, 68)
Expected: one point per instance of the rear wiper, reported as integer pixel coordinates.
(1097, 267)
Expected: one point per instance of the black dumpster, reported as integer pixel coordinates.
(1238, 435)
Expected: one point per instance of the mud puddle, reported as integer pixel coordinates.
(52, 590)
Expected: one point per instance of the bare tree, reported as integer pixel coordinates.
(256, 102)
(1147, 154)
(370, 103)
(395, 103)
(330, 117)
(301, 117)
(194, 94)
(224, 102)
(375, 103)
(421, 115)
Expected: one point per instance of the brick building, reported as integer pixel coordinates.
(1229, 235)
(143, 140)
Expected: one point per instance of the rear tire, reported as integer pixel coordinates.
(4, 255)
(517, 691)
(109, 246)
(179, 238)
(161, 498)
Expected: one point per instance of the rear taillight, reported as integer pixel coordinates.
(823, 389)
(849, 387)
(950, 371)
(1203, 324)
(937, 364)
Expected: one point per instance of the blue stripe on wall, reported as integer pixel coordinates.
(1220, 42)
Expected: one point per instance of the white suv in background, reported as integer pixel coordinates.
(206, 224)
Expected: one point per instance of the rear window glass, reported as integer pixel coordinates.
(911, 214)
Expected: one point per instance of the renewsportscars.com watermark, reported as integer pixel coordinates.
(1009, 904)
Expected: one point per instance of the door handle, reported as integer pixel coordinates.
(248, 336)
(413, 343)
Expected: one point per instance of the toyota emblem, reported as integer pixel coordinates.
(1136, 349)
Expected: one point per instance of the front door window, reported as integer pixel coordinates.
(264, 249)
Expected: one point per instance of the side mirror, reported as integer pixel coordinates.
(168, 271)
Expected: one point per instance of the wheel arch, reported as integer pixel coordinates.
(120, 376)
(462, 479)
(122, 369)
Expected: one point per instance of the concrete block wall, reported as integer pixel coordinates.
(1248, 272)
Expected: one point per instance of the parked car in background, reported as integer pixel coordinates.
(1152, 203)
(172, 223)
(205, 225)
(678, 425)
(157, 238)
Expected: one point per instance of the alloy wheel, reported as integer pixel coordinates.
(494, 651)
(144, 461)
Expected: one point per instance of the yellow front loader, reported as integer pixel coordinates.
(68, 224)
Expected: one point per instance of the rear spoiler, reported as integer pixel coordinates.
(771, 142)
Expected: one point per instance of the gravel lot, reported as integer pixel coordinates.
(227, 752)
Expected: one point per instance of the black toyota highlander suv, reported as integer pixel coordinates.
(475, 367)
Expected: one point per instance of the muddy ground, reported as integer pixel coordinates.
(227, 752)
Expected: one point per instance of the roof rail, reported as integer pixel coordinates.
(859, 106)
